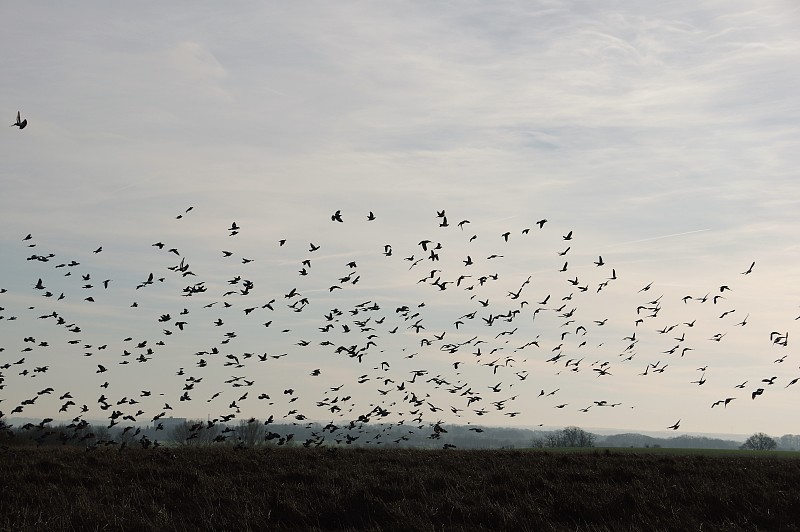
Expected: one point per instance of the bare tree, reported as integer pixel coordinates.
(101, 432)
(759, 442)
(207, 434)
(126, 437)
(552, 439)
(179, 433)
(567, 437)
(6, 430)
(194, 432)
(250, 432)
(576, 437)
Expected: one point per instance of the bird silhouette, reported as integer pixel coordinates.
(20, 123)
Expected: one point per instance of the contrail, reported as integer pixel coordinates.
(659, 237)
(275, 91)
(133, 184)
(504, 219)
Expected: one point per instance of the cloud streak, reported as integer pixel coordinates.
(659, 237)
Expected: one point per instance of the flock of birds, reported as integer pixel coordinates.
(483, 343)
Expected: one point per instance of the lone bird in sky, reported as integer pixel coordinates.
(20, 123)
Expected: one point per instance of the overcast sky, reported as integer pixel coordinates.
(664, 137)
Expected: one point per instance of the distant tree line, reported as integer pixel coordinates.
(250, 432)
(253, 432)
(566, 437)
(789, 442)
(75, 434)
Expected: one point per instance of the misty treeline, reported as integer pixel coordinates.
(255, 433)
(787, 442)
(81, 433)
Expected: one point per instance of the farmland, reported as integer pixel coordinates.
(227, 488)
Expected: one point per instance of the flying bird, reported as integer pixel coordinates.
(20, 123)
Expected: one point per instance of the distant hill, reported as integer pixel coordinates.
(678, 442)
